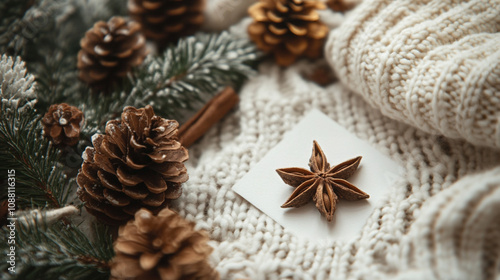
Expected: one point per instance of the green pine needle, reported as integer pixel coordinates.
(58, 251)
(39, 177)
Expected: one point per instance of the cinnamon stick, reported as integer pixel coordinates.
(209, 115)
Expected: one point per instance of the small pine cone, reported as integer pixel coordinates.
(167, 20)
(109, 51)
(137, 163)
(161, 247)
(62, 124)
(288, 28)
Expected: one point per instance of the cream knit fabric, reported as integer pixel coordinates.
(434, 64)
(407, 238)
(439, 222)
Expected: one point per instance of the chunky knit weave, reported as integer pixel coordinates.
(408, 233)
(434, 64)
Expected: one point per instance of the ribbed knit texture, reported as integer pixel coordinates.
(395, 239)
(441, 220)
(434, 64)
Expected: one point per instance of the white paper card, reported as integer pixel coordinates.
(265, 189)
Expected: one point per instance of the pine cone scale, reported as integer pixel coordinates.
(116, 198)
(176, 11)
(154, 200)
(317, 31)
(95, 193)
(72, 130)
(103, 163)
(135, 193)
(278, 30)
(151, 5)
(270, 39)
(169, 155)
(258, 11)
(178, 179)
(174, 192)
(154, 182)
(174, 28)
(148, 260)
(55, 131)
(109, 181)
(312, 16)
(132, 164)
(170, 169)
(297, 45)
(127, 178)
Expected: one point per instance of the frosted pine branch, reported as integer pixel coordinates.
(58, 251)
(17, 86)
(198, 65)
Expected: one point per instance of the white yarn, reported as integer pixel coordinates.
(250, 245)
(434, 64)
(457, 235)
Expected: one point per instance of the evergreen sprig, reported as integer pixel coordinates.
(58, 251)
(42, 182)
(196, 66)
(39, 175)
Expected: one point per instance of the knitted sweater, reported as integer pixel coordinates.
(439, 222)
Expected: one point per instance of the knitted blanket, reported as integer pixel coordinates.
(439, 222)
(431, 64)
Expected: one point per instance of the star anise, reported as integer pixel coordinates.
(323, 184)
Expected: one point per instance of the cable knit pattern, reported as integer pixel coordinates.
(434, 64)
(457, 235)
(249, 244)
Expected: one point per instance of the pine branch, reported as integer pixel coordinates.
(41, 181)
(59, 251)
(198, 65)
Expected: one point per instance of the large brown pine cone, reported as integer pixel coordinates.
(62, 124)
(161, 247)
(288, 28)
(167, 20)
(137, 163)
(109, 51)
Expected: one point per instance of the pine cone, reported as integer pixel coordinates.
(137, 163)
(161, 247)
(62, 123)
(288, 28)
(167, 20)
(109, 51)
